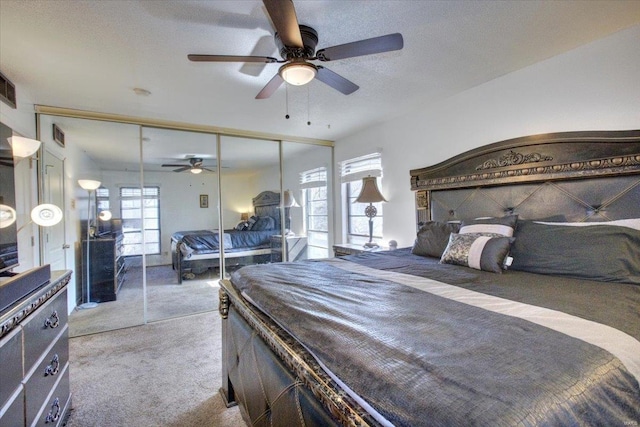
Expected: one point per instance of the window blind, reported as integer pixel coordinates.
(361, 167)
(314, 178)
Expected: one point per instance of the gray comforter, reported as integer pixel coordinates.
(423, 352)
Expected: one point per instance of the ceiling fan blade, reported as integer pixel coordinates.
(231, 58)
(182, 169)
(285, 21)
(171, 165)
(208, 170)
(270, 87)
(264, 45)
(363, 47)
(336, 81)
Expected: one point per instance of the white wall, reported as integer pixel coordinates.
(594, 87)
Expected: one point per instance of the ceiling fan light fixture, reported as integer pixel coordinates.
(298, 73)
(196, 170)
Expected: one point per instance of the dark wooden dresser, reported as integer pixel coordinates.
(34, 357)
(106, 268)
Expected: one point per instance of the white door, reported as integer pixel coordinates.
(53, 238)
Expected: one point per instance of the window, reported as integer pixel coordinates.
(139, 211)
(351, 172)
(314, 185)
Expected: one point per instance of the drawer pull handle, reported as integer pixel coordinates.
(53, 321)
(54, 413)
(53, 367)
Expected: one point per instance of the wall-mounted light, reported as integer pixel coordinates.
(23, 147)
(7, 216)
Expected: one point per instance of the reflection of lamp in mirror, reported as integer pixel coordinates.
(44, 215)
(244, 216)
(370, 194)
(89, 185)
(289, 202)
(104, 215)
(23, 147)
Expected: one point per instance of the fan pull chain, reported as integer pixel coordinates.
(286, 100)
(308, 107)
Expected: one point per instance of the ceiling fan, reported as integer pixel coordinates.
(195, 166)
(297, 46)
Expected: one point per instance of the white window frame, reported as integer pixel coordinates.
(149, 202)
(353, 170)
(311, 180)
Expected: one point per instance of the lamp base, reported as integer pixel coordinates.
(371, 245)
(88, 305)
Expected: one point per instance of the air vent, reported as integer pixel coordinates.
(7, 91)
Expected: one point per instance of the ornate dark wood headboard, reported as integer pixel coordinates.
(581, 176)
(267, 203)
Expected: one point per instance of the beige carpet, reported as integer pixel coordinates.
(165, 373)
(166, 298)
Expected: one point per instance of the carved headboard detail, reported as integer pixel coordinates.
(267, 203)
(584, 176)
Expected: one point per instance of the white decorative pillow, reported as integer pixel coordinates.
(477, 250)
(494, 226)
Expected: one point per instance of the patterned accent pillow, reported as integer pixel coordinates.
(495, 226)
(477, 250)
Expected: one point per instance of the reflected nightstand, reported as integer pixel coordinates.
(343, 249)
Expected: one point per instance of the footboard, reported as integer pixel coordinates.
(273, 379)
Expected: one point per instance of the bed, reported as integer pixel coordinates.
(195, 251)
(518, 304)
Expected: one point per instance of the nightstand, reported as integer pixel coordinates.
(343, 249)
(296, 248)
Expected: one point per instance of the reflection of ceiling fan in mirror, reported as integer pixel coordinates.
(195, 166)
(297, 46)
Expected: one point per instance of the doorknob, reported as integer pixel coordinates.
(66, 246)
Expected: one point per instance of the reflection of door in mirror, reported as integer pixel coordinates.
(120, 300)
(181, 185)
(53, 242)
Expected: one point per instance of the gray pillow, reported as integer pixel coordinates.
(477, 250)
(605, 253)
(433, 238)
(263, 223)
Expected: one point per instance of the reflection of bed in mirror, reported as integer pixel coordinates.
(193, 252)
(442, 333)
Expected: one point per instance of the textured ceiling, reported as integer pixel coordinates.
(90, 55)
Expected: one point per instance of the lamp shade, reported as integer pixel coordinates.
(89, 184)
(289, 200)
(244, 216)
(298, 73)
(23, 147)
(46, 215)
(370, 192)
(7, 216)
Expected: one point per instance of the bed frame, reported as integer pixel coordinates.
(583, 176)
(267, 203)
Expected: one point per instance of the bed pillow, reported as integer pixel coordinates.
(603, 252)
(477, 250)
(243, 226)
(264, 223)
(503, 226)
(433, 238)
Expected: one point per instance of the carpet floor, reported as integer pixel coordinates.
(162, 374)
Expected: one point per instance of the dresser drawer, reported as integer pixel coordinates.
(42, 379)
(56, 408)
(42, 327)
(12, 413)
(10, 364)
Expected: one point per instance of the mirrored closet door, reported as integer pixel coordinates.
(180, 221)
